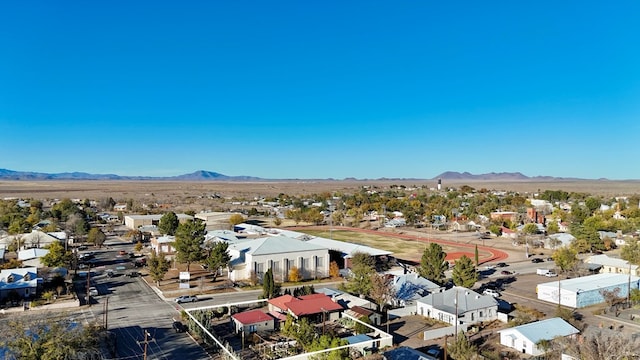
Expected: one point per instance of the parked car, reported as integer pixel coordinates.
(186, 298)
(93, 291)
(505, 272)
(122, 252)
(179, 327)
(133, 274)
(536, 260)
(491, 292)
(550, 274)
(501, 264)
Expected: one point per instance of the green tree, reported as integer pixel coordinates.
(462, 348)
(323, 342)
(158, 267)
(49, 337)
(57, 256)
(362, 267)
(168, 223)
(189, 240)
(530, 229)
(270, 288)
(553, 228)
(361, 328)
(432, 265)
(565, 258)
(464, 272)
(218, 258)
(96, 237)
(631, 252)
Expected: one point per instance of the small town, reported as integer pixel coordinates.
(319, 180)
(394, 272)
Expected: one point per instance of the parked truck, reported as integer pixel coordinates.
(546, 272)
(542, 272)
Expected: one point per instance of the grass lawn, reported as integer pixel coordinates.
(402, 249)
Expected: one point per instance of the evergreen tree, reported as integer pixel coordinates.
(189, 239)
(432, 265)
(158, 266)
(464, 272)
(218, 257)
(477, 257)
(168, 223)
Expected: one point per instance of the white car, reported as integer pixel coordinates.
(93, 291)
(550, 274)
(186, 298)
(491, 292)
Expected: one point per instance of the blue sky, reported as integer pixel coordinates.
(331, 89)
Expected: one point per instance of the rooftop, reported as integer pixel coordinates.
(593, 282)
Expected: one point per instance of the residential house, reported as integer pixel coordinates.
(163, 244)
(252, 321)
(563, 226)
(21, 283)
(31, 257)
(358, 312)
(346, 300)
(39, 239)
(460, 305)
(612, 265)
(408, 288)
(406, 353)
(559, 240)
(316, 307)
(508, 233)
(526, 338)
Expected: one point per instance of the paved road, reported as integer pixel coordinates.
(133, 309)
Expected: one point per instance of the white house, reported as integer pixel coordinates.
(458, 304)
(612, 265)
(280, 254)
(31, 257)
(163, 244)
(19, 283)
(525, 338)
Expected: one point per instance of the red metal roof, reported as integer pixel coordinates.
(280, 301)
(314, 305)
(251, 317)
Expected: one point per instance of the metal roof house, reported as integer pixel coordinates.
(525, 338)
(612, 265)
(458, 304)
(586, 290)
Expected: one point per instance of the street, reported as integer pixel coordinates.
(135, 313)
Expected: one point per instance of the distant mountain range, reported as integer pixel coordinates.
(203, 175)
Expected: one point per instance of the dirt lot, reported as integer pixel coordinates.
(202, 192)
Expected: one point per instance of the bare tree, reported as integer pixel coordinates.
(600, 345)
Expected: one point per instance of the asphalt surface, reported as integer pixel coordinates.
(131, 310)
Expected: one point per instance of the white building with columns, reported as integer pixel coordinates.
(280, 254)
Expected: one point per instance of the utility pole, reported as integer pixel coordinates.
(106, 314)
(89, 286)
(146, 343)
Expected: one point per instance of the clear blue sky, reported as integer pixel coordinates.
(303, 89)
